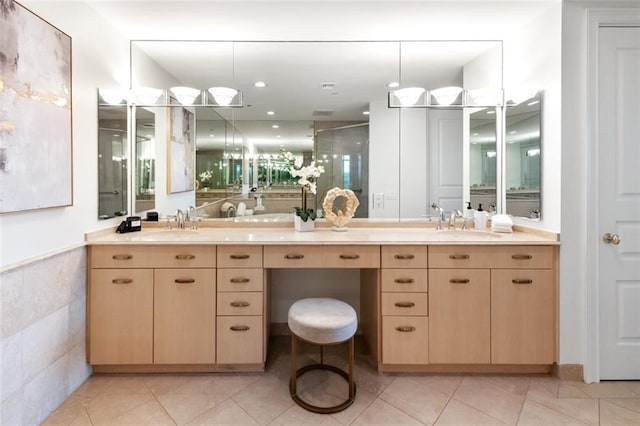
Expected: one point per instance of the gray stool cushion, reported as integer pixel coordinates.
(322, 320)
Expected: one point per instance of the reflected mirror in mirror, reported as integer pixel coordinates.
(523, 155)
(112, 161)
(328, 102)
(145, 148)
(483, 159)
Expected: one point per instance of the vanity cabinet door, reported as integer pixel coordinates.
(184, 310)
(240, 340)
(120, 316)
(459, 316)
(523, 316)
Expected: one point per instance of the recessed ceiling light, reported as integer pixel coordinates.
(365, 112)
(212, 135)
(271, 113)
(260, 84)
(393, 85)
(275, 126)
(476, 134)
(328, 86)
(278, 136)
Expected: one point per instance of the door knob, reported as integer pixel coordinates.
(611, 239)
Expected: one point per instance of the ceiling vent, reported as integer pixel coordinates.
(323, 113)
(328, 86)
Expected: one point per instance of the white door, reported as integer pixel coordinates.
(446, 142)
(619, 201)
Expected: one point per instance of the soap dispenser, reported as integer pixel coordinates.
(480, 218)
(468, 212)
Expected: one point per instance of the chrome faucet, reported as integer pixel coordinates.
(452, 219)
(180, 219)
(191, 217)
(441, 216)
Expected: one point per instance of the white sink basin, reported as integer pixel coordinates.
(468, 234)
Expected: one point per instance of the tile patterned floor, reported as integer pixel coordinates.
(382, 399)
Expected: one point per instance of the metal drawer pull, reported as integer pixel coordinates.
(521, 256)
(122, 256)
(239, 304)
(239, 256)
(404, 256)
(405, 304)
(404, 280)
(459, 280)
(458, 256)
(405, 329)
(239, 328)
(294, 256)
(122, 281)
(185, 256)
(239, 280)
(522, 281)
(349, 256)
(185, 280)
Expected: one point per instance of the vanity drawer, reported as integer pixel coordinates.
(239, 340)
(292, 256)
(407, 280)
(405, 340)
(461, 256)
(240, 303)
(174, 256)
(351, 256)
(404, 256)
(240, 279)
(244, 256)
(527, 257)
(405, 304)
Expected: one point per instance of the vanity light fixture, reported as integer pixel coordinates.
(146, 95)
(185, 95)
(223, 96)
(446, 95)
(409, 97)
(113, 96)
(484, 97)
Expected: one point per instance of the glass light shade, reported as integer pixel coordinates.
(223, 95)
(520, 94)
(446, 95)
(185, 95)
(409, 95)
(485, 97)
(146, 95)
(113, 96)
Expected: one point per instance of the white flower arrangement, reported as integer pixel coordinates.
(206, 176)
(307, 176)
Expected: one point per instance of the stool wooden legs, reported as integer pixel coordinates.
(295, 373)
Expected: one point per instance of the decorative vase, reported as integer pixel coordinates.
(302, 226)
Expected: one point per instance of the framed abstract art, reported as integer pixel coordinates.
(35, 112)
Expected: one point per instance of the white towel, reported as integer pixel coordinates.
(501, 223)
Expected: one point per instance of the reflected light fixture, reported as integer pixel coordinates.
(223, 95)
(533, 152)
(146, 95)
(446, 95)
(484, 97)
(271, 113)
(275, 126)
(491, 154)
(185, 95)
(113, 96)
(260, 84)
(365, 112)
(409, 95)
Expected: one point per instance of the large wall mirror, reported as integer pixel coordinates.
(112, 161)
(322, 101)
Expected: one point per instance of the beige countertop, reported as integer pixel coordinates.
(321, 236)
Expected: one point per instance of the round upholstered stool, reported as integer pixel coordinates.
(322, 321)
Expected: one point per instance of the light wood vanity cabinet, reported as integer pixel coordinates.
(151, 305)
(241, 301)
(404, 305)
(492, 304)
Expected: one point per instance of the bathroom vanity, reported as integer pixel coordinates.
(430, 301)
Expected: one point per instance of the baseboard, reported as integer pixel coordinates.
(573, 372)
